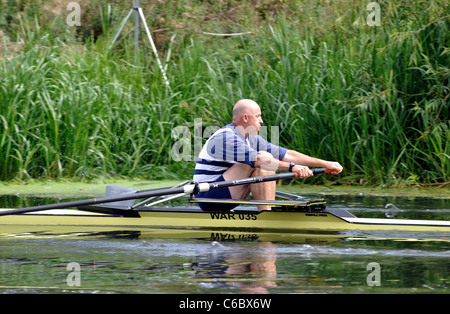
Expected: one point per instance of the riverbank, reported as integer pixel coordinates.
(71, 188)
(330, 84)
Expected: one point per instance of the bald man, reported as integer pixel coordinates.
(236, 151)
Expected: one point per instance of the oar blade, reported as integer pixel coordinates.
(114, 190)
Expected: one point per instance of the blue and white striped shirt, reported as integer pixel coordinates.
(228, 146)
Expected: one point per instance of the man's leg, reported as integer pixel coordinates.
(260, 191)
(265, 190)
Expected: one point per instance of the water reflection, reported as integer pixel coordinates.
(199, 261)
(252, 271)
(139, 262)
(407, 265)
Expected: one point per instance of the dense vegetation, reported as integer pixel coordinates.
(375, 98)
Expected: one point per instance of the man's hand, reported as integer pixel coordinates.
(334, 166)
(303, 171)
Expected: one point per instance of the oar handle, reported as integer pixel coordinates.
(317, 171)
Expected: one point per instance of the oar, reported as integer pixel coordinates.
(187, 189)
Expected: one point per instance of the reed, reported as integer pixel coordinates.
(373, 98)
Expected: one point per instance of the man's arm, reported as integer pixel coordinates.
(266, 161)
(305, 160)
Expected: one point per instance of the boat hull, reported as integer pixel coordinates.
(245, 220)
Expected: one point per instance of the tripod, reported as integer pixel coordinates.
(138, 14)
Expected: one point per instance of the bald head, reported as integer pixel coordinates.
(243, 107)
(247, 116)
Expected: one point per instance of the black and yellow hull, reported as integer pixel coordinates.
(273, 221)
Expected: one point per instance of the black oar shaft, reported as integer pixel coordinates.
(101, 200)
(191, 188)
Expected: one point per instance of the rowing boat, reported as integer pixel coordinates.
(191, 217)
(239, 219)
(120, 209)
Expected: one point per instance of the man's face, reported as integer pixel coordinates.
(254, 121)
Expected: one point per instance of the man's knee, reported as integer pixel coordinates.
(261, 172)
(238, 171)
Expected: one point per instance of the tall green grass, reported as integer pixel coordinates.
(373, 98)
(78, 113)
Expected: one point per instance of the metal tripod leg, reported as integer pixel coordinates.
(121, 28)
(153, 47)
(140, 15)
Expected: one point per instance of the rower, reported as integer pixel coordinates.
(237, 151)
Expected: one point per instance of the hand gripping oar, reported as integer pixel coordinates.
(187, 189)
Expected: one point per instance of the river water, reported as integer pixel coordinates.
(155, 261)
